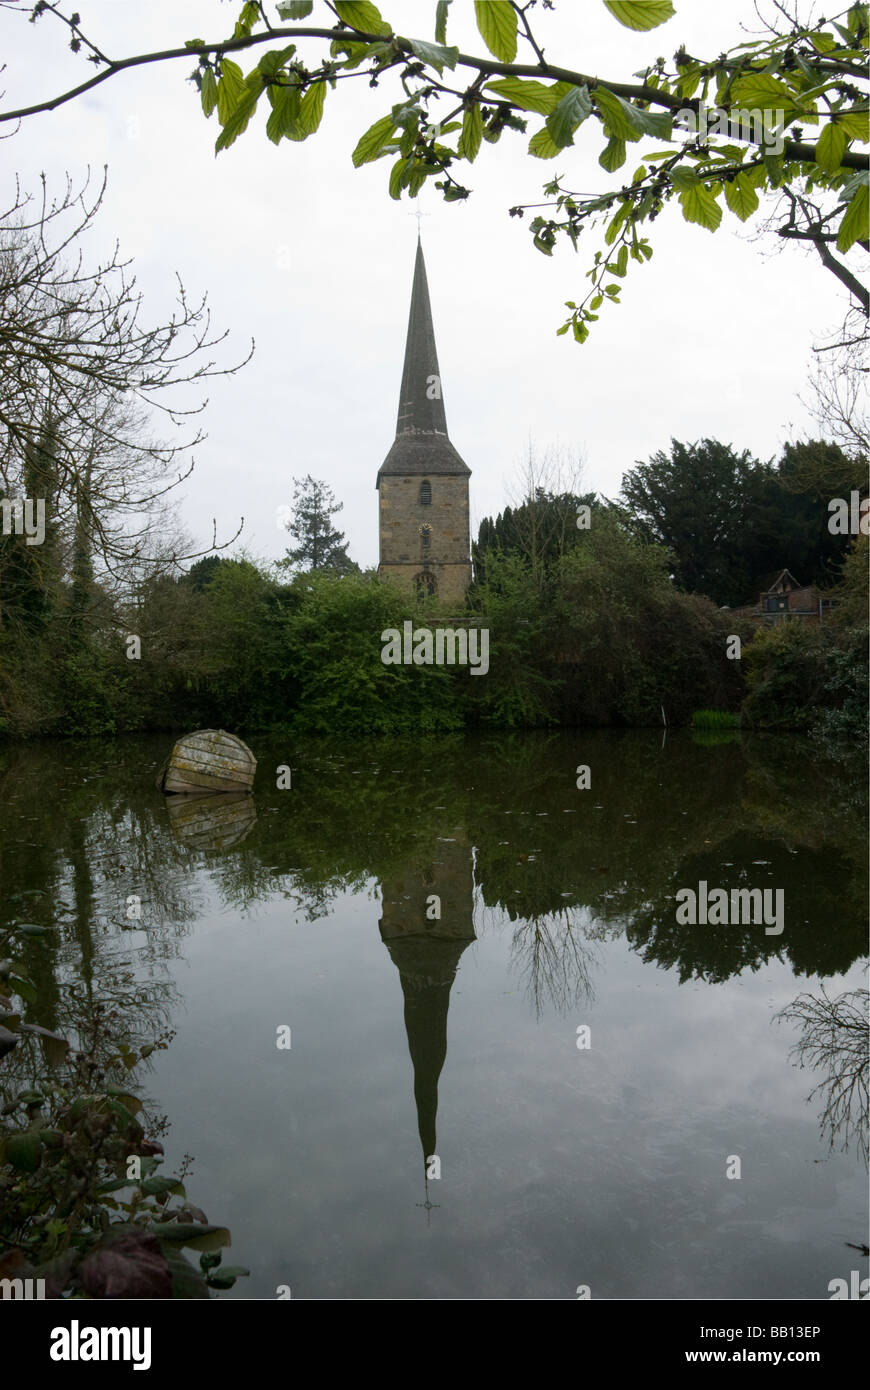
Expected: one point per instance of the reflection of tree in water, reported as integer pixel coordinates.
(552, 958)
(565, 866)
(89, 845)
(821, 935)
(834, 1039)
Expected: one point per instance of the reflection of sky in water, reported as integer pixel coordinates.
(560, 1167)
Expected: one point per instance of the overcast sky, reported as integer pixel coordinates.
(313, 260)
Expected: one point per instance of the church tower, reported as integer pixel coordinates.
(423, 483)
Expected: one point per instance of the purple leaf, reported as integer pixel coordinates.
(132, 1266)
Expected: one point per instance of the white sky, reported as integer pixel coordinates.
(311, 258)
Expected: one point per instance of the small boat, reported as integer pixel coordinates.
(208, 761)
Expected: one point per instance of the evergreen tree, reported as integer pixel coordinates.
(729, 521)
(30, 576)
(320, 545)
(540, 530)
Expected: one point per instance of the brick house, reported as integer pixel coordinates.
(783, 598)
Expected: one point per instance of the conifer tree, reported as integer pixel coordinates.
(320, 546)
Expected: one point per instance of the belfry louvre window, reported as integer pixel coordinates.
(425, 494)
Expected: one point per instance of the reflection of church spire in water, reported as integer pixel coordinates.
(426, 951)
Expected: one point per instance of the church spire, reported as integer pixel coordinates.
(421, 402)
(421, 446)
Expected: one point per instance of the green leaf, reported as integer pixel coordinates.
(24, 1151)
(741, 197)
(572, 110)
(192, 1234)
(285, 112)
(115, 1185)
(542, 145)
(354, 53)
(497, 22)
(23, 987)
(156, 1187)
(272, 62)
(682, 177)
(397, 177)
(617, 120)
(121, 1112)
(774, 168)
(435, 54)
(230, 89)
(295, 9)
(361, 14)
(700, 206)
(761, 90)
(441, 21)
(238, 120)
(641, 14)
(830, 147)
(629, 122)
(208, 91)
(855, 123)
(371, 145)
(127, 1099)
(310, 112)
(472, 134)
(611, 231)
(246, 21)
(612, 157)
(417, 176)
(530, 95)
(186, 1281)
(756, 176)
(854, 225)
(225, 1278)
(690, 80)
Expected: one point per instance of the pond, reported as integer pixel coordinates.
(456, 958)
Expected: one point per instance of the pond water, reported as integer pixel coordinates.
(479, 963)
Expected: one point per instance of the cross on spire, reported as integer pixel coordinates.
(419, 216)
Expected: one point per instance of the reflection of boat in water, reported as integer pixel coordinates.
(212, 822)
(208, 761)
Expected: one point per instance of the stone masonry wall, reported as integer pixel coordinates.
(402, 553)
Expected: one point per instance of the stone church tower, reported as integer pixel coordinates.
(423, 483)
